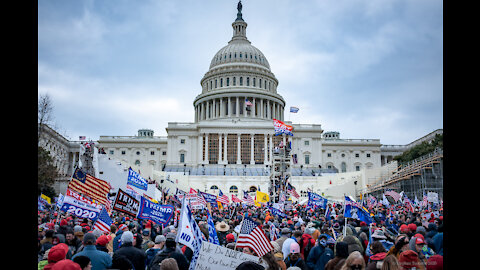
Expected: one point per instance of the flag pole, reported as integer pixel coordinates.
(235, 248)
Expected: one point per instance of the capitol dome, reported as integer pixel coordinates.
(239, 82)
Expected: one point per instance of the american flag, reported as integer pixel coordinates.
(248, 103)
(192, 191)
(396, 196)
(253, 237)
(103, 221)
(291, 190)
(222, 198)
(248, 199)
(425, 201)
(235, 199)
(90, 186)
(408, 204)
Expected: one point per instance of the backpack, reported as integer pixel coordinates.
(308, 248)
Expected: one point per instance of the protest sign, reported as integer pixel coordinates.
(217, 257)
(126, 203)
(154, 211)
(80, 206)
(432, 197)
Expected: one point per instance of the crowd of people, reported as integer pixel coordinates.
(305, 239)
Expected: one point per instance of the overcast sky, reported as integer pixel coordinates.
(369, 69)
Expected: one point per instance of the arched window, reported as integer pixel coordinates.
(344, 167)
(221, 82)
(215, 83)
(253, 82)
(228, 81)
(253, 189)
(214, 187)
(234, 81)
(233, 189)
(260, 83)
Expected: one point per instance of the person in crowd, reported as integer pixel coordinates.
(169, 264)
(132, 253)
(320, 254)
(341, 254)
(379, 254)
(84, 262)
(401, 244)
(102, 242)
(169, 251)
(278, 255)
(390, 263)
(118, 235)
(151, 252)
(100, 259)
(409, 259)
(354, 261)
(296, 238)
(294, 257)
(55, 254)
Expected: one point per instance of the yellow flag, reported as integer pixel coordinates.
(46, 198)
(262, 197)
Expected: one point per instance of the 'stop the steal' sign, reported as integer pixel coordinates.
(215, 257)
(134, 179)
(126, 203)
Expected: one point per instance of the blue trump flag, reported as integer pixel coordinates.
(277, 212)
(356, 211)
(154, 211)
(315, 200)
(212, 233)
(134, 179)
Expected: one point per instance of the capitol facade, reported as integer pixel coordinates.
(230, 144)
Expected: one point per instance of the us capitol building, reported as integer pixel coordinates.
(229, 145)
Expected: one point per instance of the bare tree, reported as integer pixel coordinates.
(45, 113)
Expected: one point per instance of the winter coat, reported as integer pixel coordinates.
(438, 243)
(117, 240)
(298, 263)
(319, 257)
(168, 253)
(150, 254)
(135, 255)
(100, 259)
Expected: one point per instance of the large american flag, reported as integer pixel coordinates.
(103, 221)
(253, 237)
(396, 196)
(90, 186)
(222, 198)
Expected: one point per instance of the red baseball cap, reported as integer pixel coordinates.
(419, 240)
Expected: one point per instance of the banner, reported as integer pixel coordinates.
(432, 197)
(154, 211)
(356, 211)
(277, 212)
(79, 206)
(281, 127)
(135, 180)
(262, 197)
(212, 232)
(189, 233)
(210, 198)
(315, 200)
(126, 203)
(216, 257)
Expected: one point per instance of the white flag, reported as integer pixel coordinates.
(189, 233)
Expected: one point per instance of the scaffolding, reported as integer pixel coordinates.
(414, 178)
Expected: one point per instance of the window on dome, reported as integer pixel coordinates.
(253, 82)
(234, 81)
(235, 55)
(251, 56)
(221, 82)
(240, 55)
(211, 85)
(265, 84)
(260, 83)
(230, 56)
(225, 56)
(215, 83)
(248, 81)
(241, 80)
(255, 57)
(228, 81)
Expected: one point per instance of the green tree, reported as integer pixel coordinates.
(421, 149)
(47, 173)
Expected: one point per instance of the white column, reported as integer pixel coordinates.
(268, 109)
(225, 148)
(252, 152)
(237, 110)
(261, 108)
(265, 150)
(219, 148)
(270, 150)
(214, 110)
(229, 106)
(206, 148)
(200, 148)
(208, 110)
(239, 161)
(221, 108)
(253, 109)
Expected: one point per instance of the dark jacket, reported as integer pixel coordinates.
(117, 240)
(168, 253)
(135, 255)
(319, 257)
(299, 263)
